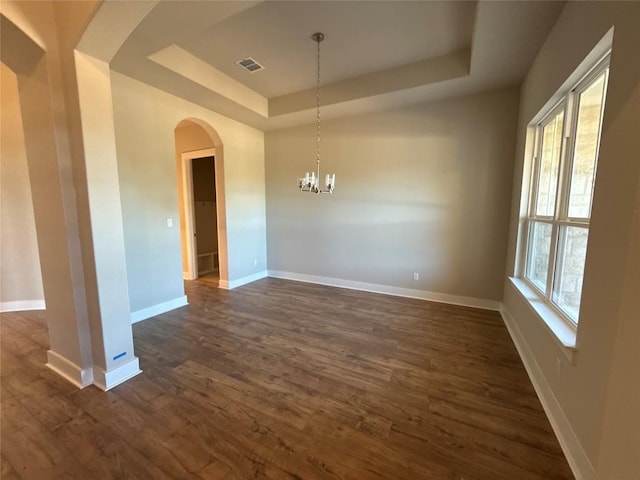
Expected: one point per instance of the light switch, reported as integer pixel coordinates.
(169, 222)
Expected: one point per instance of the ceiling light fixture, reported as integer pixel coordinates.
(311, 181)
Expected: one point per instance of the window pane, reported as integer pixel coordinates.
(590, 105)
(548, 167)
(538, 251)
(570, 270)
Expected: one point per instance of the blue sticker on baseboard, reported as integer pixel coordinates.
(120, 355)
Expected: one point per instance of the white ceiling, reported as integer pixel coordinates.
(375, 55)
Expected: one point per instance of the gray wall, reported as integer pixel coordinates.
(423, 189)
(20, 277)
(597, 397)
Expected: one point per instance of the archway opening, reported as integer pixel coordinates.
(200, 184)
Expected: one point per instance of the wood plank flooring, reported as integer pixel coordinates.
(284, 380)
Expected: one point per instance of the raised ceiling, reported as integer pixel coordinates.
(359, 40)
(376, 55)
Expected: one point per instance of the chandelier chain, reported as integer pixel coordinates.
(318, 107)
(311, 182)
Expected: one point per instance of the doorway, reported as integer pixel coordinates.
(201, 215)
(205, 232)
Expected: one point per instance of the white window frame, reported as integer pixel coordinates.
(568, 104)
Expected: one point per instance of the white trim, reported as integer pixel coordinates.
(213, 256)
(563, 332)
(106, 380)
(576, 456)
(22, 305)
(68, 370)
(565, 101)
(390, 290)
(231, 284)
(593, 58)
(82, 378)
(158, 309)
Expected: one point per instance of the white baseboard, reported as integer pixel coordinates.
(106, 380)
(229, 285)
(576, 456)
(390, 290)
(92, 376)
(22, 305)
(158, 309)
(68, 370)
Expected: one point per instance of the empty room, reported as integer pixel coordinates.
(320, 239)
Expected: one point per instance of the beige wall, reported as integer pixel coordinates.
(422, 189)
(145, 120)
(20, 277)
(597, 395)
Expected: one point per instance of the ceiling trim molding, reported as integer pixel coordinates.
(417, 74)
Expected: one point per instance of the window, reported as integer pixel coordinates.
(567, 139)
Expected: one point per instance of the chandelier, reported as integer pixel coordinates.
(311, 181)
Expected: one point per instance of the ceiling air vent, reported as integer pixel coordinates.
(250, 64)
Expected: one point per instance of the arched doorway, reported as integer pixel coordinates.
(200, 183)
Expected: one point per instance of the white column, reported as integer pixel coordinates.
(114, 359)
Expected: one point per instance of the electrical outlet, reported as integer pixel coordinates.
(255, 262)
(416, 276)
(170, 222)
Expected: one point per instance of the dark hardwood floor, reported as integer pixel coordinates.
(284, 380)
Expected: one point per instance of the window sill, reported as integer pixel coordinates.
(563, 332)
